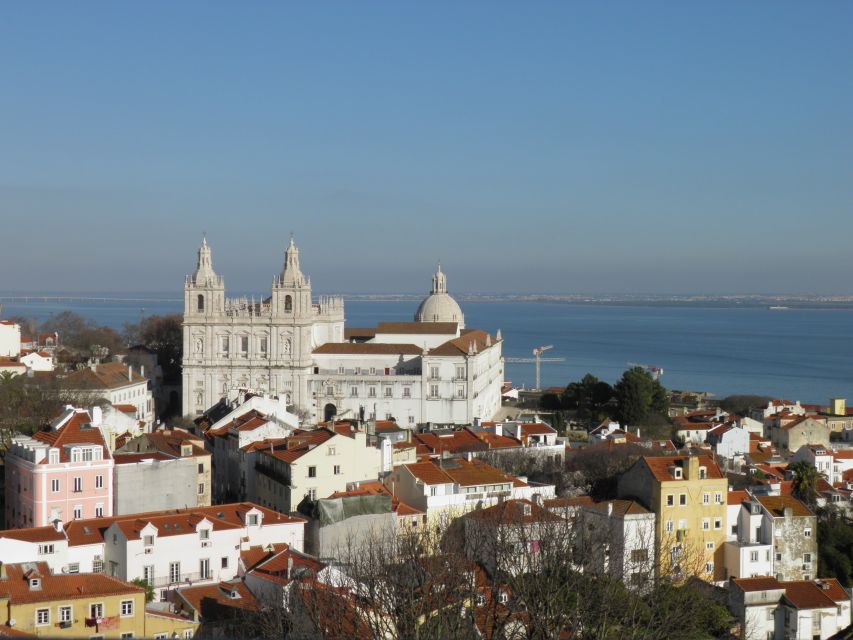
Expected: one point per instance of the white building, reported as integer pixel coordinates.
(830, 464)
(751, 553)
(729, 441)
(115, 382)
(38, 361)
(166, 548)
(619, 541)
(769, 609)
(10, 339)
(429, 370)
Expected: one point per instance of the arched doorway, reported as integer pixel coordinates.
(329, 411)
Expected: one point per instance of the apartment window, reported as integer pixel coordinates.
(682, 499)
(204, 568)
(174, 571)
(807, 558)
(670, 500)
(78, 511)
(709, 546)
(706, 524)
(407, 392)
(74, 567)
(201, 488)
(312, 494)
(126, 608)
(99, 482)
(388, 392)
(669, 526)
(371, 392)
(718, 498)
(99, 511)
(411, 419)
(148, 574)
(709, 567)
(778, 557)
(703, 473)
(807, 533)
(148, 541)
(97, 565)
(204, 534)
(433, 491)
(64, 614)
(718, 524)
(460, 372)
(312, 472)
(188, 634)
(341, 370)
(78, 484)
(753, 556)
(353, 392)
(54, 486)
(42, 617)
(433, 391)
(252, 519)
(433, 373)
(224, 562)
(127, 635)
(639, 555)
(460, 392)
(96, 610)
(706, 498)
(45, 549)
(337, 469)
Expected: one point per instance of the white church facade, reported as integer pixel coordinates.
(430, 370)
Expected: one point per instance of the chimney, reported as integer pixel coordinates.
(609, 508)
(58, 526)
(537, 499)
(129, 373)
(499, 429)
(518, 431)
(789, 513)
(289, 566)
(97, 416)
(142, 370)
(638, 432)
(691, 465)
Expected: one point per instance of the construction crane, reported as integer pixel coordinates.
(653, 371)
(538, 360)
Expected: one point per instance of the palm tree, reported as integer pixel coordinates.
(805, 481)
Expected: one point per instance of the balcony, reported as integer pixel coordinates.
(183, 579)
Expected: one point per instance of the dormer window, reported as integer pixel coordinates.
(35, 583)
(186, 450)
(204, 534)
(677, 473)
(148, 541)
(54, 456)
(251, 519)
(235, 594)
(703, 473)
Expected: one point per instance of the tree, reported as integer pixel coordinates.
(805, 482)
(589, 397)
(149, 590)
(164, 336)
(638, 395)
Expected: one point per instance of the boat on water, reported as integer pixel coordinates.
(779, 308)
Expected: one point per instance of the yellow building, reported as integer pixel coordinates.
(688, 496)
(81, 605)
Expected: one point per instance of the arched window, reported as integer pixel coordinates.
(200, 304)
(288, 303)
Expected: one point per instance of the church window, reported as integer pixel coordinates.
(262, 347)
(200, 302)
(244, 345)
(223, 344)
(288, 303)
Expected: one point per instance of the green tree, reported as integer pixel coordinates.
(589, 397)
(163, 335)
(805, 482)
(638, 395)
(149, 590)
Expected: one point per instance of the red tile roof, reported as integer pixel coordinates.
(808, 594)
(776, 506)
(460, 345)
(736, 497)
(369, 349)
(660, 466)
(58, 587)
(514, 512)
(425, 328)
(111, 375)
(297, 445)
(76, 430)
(202, 597)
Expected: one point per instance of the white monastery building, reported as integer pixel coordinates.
(430, 370)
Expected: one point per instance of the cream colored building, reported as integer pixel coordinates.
(430, 370)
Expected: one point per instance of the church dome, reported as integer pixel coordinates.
(439, 306)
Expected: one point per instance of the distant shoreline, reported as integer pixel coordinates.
(775, 303)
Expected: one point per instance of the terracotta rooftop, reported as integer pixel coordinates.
(761, 583)
(369, 349)
(76, 430)
(776, 506)
(660, 467)
(810, 594)
(515, 512)
(620, 507)
(111, 375)
(460, 345)
(736, 497)
(298, 444)
(216, 601)
(60, 587)
(425, 328)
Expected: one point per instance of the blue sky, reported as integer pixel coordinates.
(550, 147)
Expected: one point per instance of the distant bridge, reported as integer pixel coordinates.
(40, 298)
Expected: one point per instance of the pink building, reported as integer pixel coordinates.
(65, 473)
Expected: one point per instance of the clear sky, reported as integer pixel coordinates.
(530, 146)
